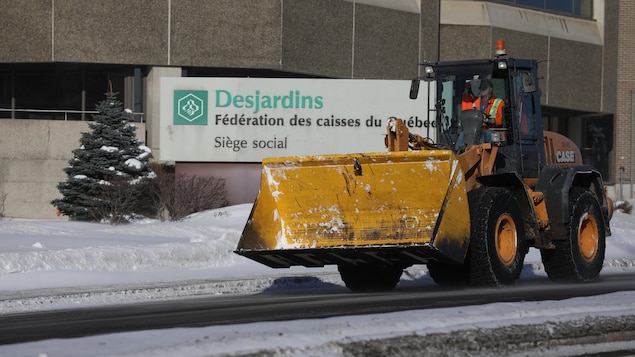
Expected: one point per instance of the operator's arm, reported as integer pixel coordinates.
(499, 114)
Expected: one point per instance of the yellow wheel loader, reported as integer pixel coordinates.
(468, 200)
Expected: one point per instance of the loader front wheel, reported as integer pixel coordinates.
(497, 245)
(448, 274)
(367, 277)
(581, 255)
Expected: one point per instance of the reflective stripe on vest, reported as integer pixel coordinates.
(494, 109)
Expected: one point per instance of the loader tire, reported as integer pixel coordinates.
(448, 274)
(579, 257)
(367, 277)
(497, 244)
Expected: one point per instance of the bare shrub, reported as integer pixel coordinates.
(161, 191)
(175, 196)
(197, 193)
(3, 199)
(117, 202)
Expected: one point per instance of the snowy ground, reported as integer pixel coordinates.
(84, 264)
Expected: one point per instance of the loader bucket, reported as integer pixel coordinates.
(394, 207)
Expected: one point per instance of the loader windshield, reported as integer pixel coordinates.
(458, 91)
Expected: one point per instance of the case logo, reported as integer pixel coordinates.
(565, 156)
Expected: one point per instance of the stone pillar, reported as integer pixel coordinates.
(430, 27)
(153, 106)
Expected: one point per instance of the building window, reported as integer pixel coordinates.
(65, 91)
(6, 91)
(582, 8)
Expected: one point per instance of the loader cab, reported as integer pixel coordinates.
(460, 124)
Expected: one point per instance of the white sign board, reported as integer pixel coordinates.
(248, 119)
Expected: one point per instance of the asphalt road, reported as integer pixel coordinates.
(281, 305)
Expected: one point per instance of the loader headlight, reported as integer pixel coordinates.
(502, 65)
(497, 136)
(428, 73)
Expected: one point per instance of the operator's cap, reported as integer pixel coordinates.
(485, 83)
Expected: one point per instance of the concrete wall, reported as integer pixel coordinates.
(570, 50)
(33, 154)
(224, 33)
(327, 37)
(26, 31)
(624, 82)
(152, 103)
(585, 67)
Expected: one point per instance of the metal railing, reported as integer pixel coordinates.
(54, 114)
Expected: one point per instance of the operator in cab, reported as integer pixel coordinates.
(489, 105)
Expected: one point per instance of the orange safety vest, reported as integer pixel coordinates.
(493, 106)
(467, 101)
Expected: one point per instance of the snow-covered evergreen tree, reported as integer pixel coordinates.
(105, 173)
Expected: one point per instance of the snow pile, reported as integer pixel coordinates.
(45, 254)
(198, 245)
(36, 254)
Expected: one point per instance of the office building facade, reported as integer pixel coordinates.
(59, 57)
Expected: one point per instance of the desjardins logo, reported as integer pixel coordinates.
(190, 107)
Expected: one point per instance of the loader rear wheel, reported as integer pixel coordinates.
(497, 244)
(581, 255)
(367, 277)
